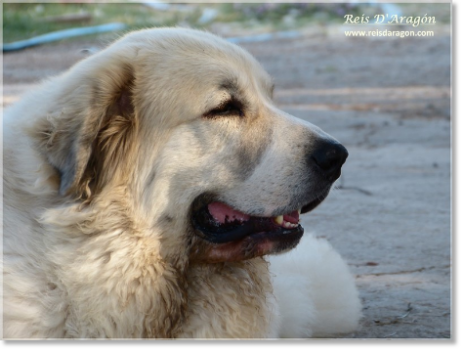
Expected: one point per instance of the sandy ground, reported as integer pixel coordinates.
(388, 102)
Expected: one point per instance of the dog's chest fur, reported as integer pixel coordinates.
(157, 305)
(237, 309)
(117, 290)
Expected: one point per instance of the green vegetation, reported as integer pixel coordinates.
(25, 20)
(21, 21)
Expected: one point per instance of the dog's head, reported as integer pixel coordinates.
(182, 123)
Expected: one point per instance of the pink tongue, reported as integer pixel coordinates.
(293, 217)
(223, 213)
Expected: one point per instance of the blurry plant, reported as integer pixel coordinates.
(277, 11)
(25, 20)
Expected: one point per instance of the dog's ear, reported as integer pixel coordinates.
(90, 142)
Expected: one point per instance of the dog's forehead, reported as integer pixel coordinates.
(209, 57)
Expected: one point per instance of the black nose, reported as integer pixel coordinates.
(328, 158)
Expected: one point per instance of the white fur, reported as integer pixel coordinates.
(315, 291)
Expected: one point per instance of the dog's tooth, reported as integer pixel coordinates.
(289, 225)
(299, 211)
(279, 220)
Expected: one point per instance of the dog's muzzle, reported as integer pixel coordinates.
(227, 234)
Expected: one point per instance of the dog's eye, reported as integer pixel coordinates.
(229, 108)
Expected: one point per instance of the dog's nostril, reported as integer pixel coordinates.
(328, 157)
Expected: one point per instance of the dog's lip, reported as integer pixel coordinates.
(313, 204)
(251, 246)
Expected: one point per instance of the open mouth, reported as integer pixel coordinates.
(220, 223)
(233, 235)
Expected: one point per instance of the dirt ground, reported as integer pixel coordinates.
(388, 102)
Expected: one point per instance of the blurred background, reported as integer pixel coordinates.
(24, 20)
(387, 99)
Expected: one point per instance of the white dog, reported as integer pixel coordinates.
(143, 190)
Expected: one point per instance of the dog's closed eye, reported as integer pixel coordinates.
(229, 108)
